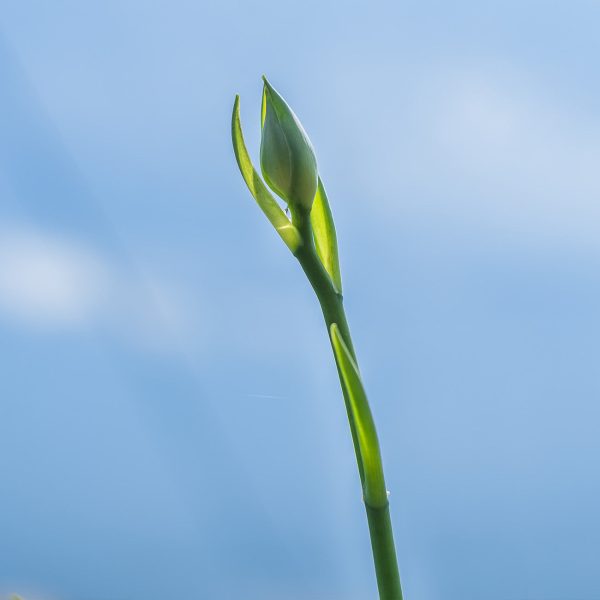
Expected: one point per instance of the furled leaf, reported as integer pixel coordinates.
(374, 485)
(325, 238)
(289, 234)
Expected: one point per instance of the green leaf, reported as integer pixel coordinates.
(289, 234)
(374, 484)
(325, 238)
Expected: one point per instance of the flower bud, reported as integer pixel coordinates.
(287, 158)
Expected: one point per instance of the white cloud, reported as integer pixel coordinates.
(504, 127)
(51, 283)
(526, 160)
(47, 281)
(485, 144)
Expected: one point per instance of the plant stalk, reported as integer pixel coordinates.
(331, 301)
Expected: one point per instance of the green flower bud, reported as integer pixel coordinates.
(287, 158)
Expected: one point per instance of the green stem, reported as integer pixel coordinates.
(384, 552)
(331, 301)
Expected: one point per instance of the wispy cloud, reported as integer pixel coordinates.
(511, 131)
(519, 156)
(486, 143)
(527, 161)
(51, 283)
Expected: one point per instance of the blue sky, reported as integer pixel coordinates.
(171, 419)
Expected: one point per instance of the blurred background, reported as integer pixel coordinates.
(170, 417)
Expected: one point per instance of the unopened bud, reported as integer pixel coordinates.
(287, 158)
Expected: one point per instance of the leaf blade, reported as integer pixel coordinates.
(325, 236)
(374, 484)
(288, 233)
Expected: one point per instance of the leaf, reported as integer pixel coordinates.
(289, 234)
(374, 484)
(325, 238)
